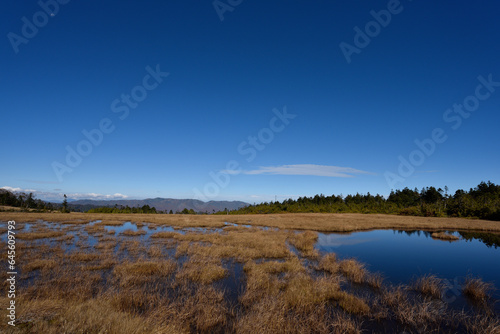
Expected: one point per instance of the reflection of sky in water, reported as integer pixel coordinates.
(401, 256)
(328, 241)
(128, 226)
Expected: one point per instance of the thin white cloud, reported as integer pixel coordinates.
(59, 196)
(304, 169)
(11, 189)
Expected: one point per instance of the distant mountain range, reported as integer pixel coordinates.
(161, 204)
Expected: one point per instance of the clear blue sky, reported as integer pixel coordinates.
(352, 122)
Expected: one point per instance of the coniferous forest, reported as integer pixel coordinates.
(481, 202)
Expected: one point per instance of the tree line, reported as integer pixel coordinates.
(481, 202)
(123, 209)
(24, 201)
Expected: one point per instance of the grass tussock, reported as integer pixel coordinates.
(303, 292)
(39, 235)
(417, 312)
(135, 273)
(202, 270)
(444, 236)
(105, 246)
(94, 229)
(476, 289)
(351, 303)
(375, 280)
(155, 251)
(353, 270)
(83, 257)
(329, 263)
(305, 242)
(429, 285)
(165, 235)
(481, 323)
(263, 280)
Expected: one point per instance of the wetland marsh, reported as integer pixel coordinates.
(248, 274)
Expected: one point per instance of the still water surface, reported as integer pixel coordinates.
(401, 256)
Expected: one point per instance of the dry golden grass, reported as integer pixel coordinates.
(165, 235)
(480, 323)
(155, 251)
(353, 270)
(83, 257)
(419, 313)
(351, 303)
(201, 309)
(54, 316)
(89, 291)
(375, 280)
(341, 222)
(262, 278)
(104, 247)
(101, 265)
(135, 273)
(477, 289)
(39, 235)
(240, 245)
(444, 236)
(429, 285)
(305, 242)
(271, 315)
(303, 292)
(96, 228)
(345, 324)
(133, 247)
(66, 237)
(230, 228)
(38, 264)
(329, 263)
(202, 269)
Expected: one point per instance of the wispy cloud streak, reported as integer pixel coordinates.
(303, 169)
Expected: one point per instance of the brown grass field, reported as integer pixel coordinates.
(75, 277)
(341, 222)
